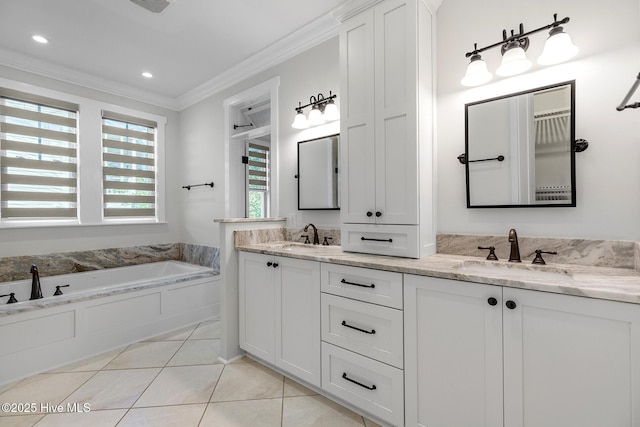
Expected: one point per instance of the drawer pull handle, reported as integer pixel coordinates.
(358, 284)
(371, 332)
(344, 375)
(377, 240)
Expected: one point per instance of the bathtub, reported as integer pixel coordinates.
(100, 310)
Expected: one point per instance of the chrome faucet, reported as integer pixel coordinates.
(316, 239)
(36, 291)
(514, 256)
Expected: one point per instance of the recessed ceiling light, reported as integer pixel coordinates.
(147, 74)
(40, 39)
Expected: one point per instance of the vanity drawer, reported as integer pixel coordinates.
(364, 284)
(368, 384)
(392, 240)
(371, 330)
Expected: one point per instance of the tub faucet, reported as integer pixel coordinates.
(36, 291)
(514, 256)
(316, 239)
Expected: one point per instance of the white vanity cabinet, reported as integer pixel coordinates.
(279, 310)
(486, 355)
(362, 348)
(386, 130)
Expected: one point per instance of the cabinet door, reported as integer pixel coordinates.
(356, 120)
(257, 305)
(396, 144)
(570, 361)
(298, 318)
(453, 353)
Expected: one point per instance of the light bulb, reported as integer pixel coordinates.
(477, 72)
(315, 117)
(300, 121)
(331, 112)
(558, 48)
(514, 61)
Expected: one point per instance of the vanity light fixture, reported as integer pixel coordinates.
(322, 110)
(558, 48)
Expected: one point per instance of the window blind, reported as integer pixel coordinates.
(258, 167)
(38, 161)
(128, 165)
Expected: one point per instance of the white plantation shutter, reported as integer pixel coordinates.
(128, 165)
(38, 164)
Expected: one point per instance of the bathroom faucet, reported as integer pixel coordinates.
(36, 291)
(514, 256)
(316, 239)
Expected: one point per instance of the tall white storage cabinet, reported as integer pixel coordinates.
(501, 357)
(386, 130)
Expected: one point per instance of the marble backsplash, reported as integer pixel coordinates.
(290, 234)
(596, 253)
(17, 268)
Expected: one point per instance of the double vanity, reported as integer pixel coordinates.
(447, 340)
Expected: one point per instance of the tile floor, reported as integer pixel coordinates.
(174, 379)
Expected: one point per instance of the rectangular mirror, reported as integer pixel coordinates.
(318, 176)
(519, 149)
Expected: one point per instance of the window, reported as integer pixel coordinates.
(257, 180)
(128, 165)
(38, 142)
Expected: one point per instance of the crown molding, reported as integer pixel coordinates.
(287, 47)
(18, 61)
(352, 8)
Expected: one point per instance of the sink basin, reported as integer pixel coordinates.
(514, 270)
(302, 247)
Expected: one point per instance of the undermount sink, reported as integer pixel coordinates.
(301, 247)
(516, 270)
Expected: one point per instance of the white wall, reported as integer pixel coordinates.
(202, 142)
(42, 240)
(608, 173)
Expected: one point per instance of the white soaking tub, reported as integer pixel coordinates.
(99, 311)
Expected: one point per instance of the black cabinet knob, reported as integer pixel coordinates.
(369, 213)
(492, 301)
(511, 305)
(378, 214)
(275, 265)
(269, 264)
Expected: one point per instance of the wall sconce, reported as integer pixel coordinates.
(322, 110)
(558, 48)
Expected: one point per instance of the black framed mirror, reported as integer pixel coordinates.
(318, 173)
(520, 149)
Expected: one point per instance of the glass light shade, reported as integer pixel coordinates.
(558, 48)
(315, 117)
(300, 122)
(477, 72)
(514, 61)
(331, 112)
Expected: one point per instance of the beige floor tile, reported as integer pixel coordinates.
(106, 418)
(254, 413)
(181, 385)
(145, 355)
(244, 381)
(164, 416)
(243, 359)
(206, 330)
(45, 388)
(20, 420)
(177, 335)
(317, 411)
(7, 386)
(369, 423)
(94, 363)
(292, 388)
(197, 352)
(114, 389)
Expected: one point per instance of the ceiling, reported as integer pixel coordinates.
(191, 47)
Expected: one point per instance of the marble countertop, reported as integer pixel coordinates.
(616, 284)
